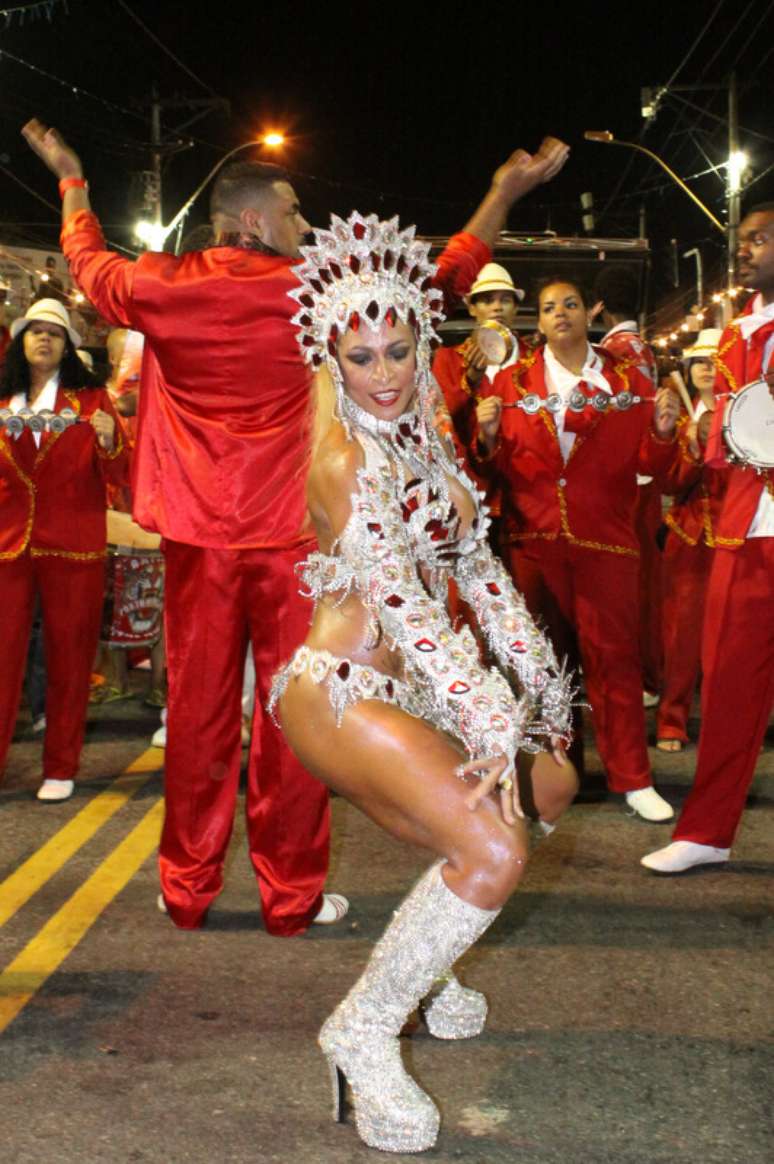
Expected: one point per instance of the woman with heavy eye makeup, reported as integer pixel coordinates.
(574, 427)
(385, 702)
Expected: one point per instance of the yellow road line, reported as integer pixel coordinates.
(44, 953)
(19, 887)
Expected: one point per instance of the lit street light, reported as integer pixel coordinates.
(604, 135)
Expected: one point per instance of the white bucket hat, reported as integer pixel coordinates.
(46, 311)
(493, 277)
(706, 344)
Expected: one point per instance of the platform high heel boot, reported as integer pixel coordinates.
(431, 929)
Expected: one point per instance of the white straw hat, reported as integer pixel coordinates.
(706, 344)
(46, 311)
(493, 277)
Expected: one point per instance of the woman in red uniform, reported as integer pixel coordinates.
(52, 537)
(578, 426)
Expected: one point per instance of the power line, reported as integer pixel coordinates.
(695, 45)
(164, 48)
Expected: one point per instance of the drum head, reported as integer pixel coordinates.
(495, 341)
(748, 425)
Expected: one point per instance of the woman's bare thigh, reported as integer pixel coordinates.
(400, 771)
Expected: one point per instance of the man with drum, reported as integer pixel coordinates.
(738, 641)
(220, 467)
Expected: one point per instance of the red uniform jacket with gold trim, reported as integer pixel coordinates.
(738, 362)
(449, 371)
(590, 500)
(699, 492)
(223, 435)
(52, 498)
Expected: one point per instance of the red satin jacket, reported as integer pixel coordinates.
(738, 363)
(52, 498)
(223, 441)
(590, 500)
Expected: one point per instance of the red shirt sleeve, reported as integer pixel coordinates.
(458, 264)
(105, 278)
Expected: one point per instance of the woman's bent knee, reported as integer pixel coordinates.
(490, 872)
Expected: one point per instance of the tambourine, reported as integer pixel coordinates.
(495, 341)
(748, 426)
(15, 423)
(578, 402)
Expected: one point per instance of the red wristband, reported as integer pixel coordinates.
(66, 184)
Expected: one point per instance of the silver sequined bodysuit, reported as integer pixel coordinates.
(400, 546)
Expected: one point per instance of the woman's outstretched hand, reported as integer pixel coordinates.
(494, 772)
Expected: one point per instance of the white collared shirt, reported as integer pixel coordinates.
(46, 400)
(564, 382)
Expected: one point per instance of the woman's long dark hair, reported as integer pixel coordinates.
(15, 374)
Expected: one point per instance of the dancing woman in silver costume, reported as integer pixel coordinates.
(386, 702)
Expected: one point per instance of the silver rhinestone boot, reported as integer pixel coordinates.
(454, 1011)
(428, 933)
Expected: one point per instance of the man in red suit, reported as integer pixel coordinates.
(569, 496)
(738, 641)
(219, 471)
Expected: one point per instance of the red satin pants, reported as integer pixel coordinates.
(587, 601)
(686, 577)
(215, 601)
(737, 691)
(71, 594)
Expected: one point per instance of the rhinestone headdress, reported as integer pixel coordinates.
(363, 272)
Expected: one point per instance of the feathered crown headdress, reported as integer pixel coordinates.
(364, 271)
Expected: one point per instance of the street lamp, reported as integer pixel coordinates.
(604, 135)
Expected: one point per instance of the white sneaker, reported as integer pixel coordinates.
(159, 737)
(647, 803)
(650, 699)
(334, 907)
(161, 904)
(39, 724)
(55, 790)
(682, 855)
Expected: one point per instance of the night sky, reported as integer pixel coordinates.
(398, 109)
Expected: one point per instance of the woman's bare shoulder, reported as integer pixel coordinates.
(336, 464)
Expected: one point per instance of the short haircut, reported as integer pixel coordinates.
(760, 208)
(618, 288)
(567, 280)
(240, 182)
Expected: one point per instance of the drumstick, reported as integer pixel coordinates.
(679, 383)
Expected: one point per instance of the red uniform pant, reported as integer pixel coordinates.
(587, 601)
(647, 521)
(737, 691)
(215, 600)
(686, 577)
(71, 594)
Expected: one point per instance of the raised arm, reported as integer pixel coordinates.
(468, 251)
(104, 277)
(519, 647)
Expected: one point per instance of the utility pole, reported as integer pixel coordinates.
(733, 181)
(154, 201)
(151, 213)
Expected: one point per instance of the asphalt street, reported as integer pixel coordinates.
(630, 1023)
